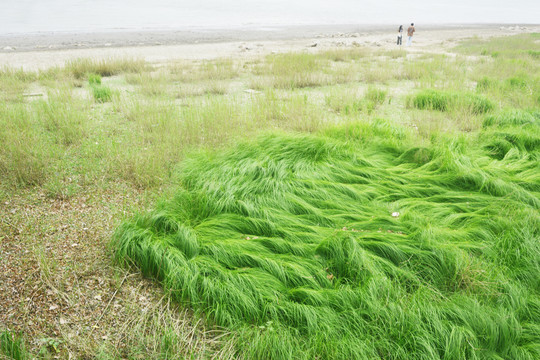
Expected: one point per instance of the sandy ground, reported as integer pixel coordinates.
(40, 51)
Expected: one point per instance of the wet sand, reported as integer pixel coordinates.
(44, 50)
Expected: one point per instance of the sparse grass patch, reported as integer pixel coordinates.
(221, 69)
(294, 70)
(350, 101)
(25, 153)
(80, 68)
(338, 54)
(516, 46)
(13, 83)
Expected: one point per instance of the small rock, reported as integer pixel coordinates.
(395, 214)
(313, 45)
(9, 48)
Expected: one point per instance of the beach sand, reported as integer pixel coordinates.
(44, 50)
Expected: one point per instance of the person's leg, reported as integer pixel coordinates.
(409, 41)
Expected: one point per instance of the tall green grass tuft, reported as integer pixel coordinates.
(12, 346)
(448, 101)
(354, 243)
(101, 93)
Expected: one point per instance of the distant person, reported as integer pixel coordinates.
(400, 34)
(410, 32)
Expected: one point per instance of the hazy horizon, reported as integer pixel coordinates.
(85, 15)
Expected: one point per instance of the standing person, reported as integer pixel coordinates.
(410, 32)
(400, 34)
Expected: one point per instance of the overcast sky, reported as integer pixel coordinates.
(74, 15)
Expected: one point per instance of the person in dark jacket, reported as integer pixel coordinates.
(400, 34)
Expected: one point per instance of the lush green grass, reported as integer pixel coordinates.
(355, 243)
(101, 93)
(12, 346)
(447, 101)
(457, 282)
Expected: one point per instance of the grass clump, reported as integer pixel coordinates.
(101, 93)
(353, 244)
(447, 101)
(94, 79)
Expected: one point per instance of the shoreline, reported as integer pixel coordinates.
(44, 50)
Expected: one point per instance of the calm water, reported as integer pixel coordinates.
(18, 16)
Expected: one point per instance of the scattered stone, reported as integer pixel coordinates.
(9, 48)
(395, 214)
(313, 45)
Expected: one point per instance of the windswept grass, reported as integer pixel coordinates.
(354, 244)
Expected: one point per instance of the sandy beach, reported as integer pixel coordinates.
(44, 50)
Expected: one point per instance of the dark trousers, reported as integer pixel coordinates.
(399, 40)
